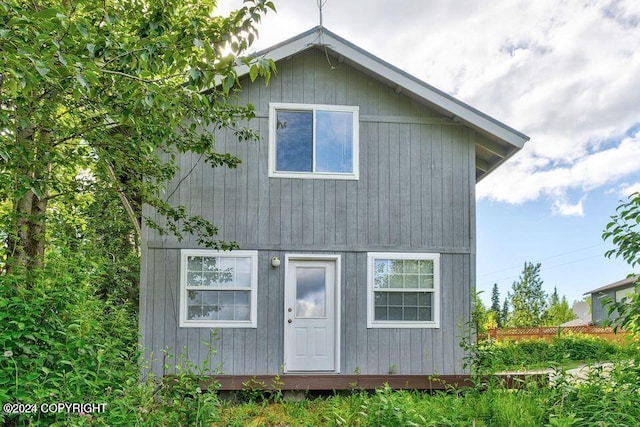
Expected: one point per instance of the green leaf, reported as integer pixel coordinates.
(82, 30)
(227, 83)
(41, 68)
(82, 80)
(47, 13)
(253, 72)
(194, 73)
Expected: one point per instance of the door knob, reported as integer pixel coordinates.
(290, 309)
(289, 321)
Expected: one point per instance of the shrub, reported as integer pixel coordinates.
(534, 353)
(62, 342)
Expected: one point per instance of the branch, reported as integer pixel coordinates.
(129, 76)
(125, 202)
(115, 58)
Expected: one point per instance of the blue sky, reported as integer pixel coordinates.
(565, 73)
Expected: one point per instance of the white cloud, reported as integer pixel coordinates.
(628, 189)
(522, 179)
(564, 208)
(565, 73)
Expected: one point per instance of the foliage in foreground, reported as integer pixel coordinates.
(608, 398)
(494, 356)
(67, 343)
(61, 342)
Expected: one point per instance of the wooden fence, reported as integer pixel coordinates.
(549, 332)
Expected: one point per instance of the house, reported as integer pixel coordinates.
(614, 292)
(355, 214)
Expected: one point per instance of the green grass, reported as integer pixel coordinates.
(596, 402)
(565, 351)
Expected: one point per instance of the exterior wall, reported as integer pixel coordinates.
(416, 193)
(598, 310)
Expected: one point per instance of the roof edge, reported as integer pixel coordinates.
(320, 36)
(627, 281)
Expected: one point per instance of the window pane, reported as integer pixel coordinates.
(395, 298)
(334, 141)
(294, 141)
(426, 282)
(426, 266)
(194, 312)
(219, 271)
(310, 292)
(424, 299)
(396, 266)
(395, 281)
(381, 281)
(424, 314)
(409, 306)
(194, 263)
(195, 279)
(243, 280)
(410, 299)
(410, 313)
(209, 263)
(226, 312)
(411, 281)
(194, 298)
(395, 313)
(218, 305)
(243, 265)
(210, 297)
(411, 266)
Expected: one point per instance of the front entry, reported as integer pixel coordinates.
(310, 328)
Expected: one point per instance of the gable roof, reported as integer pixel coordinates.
(495, 141)
(620, 283)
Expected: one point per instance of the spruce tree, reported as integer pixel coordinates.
(495, 304)
(529, 300)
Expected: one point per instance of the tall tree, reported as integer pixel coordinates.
(559, 311)
(528, 299)
(504, 314)
(95, 95)
(624, 233)
(495, 305)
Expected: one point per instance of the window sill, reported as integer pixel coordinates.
(217, 324)
(403, 325)
(315, 175)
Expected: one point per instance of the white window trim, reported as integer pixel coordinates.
(273, 173)
(253, 291)
(435, 323)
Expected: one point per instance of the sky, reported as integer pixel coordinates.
(564, 72)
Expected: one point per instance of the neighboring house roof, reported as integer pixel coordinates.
(620, 283)
(496, 142)
(579, 321)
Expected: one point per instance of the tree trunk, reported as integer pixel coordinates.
(26, 243)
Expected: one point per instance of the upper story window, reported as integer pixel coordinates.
(218, 289)
(403, 290)
(313, 141)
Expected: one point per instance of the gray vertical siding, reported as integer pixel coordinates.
(599, 312)
(415, 194)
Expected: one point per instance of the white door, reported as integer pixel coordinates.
(310, 315)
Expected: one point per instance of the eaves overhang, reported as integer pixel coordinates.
(495, 141)
(620, 283)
